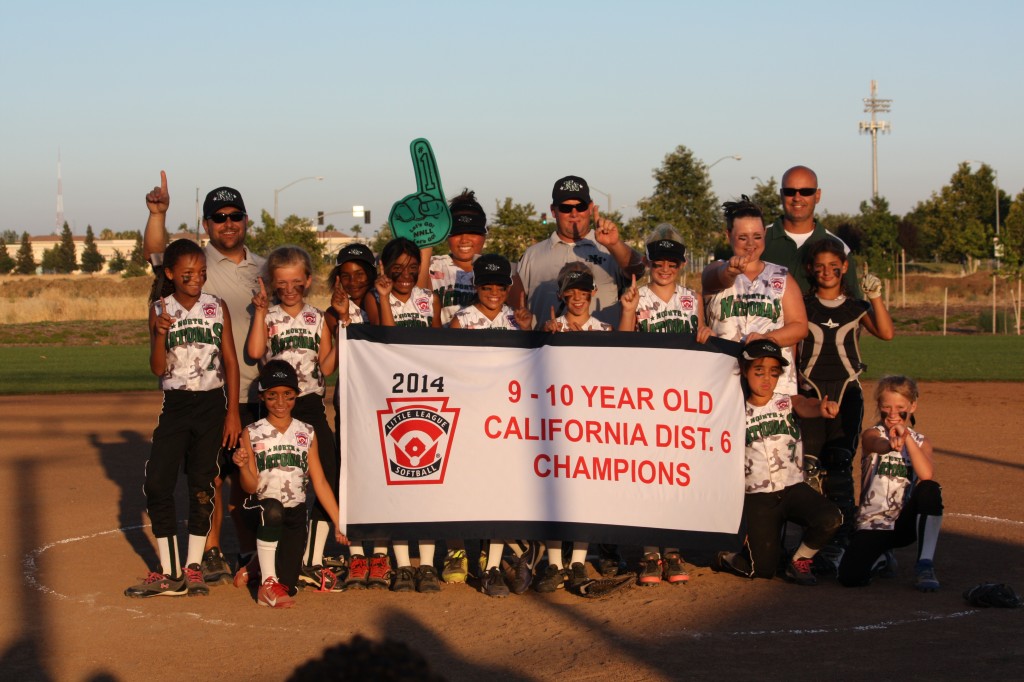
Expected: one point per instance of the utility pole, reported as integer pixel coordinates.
(875, 106)
(60, 195)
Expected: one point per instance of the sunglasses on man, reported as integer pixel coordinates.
(220, 218)
(569, 208)
(802, 191)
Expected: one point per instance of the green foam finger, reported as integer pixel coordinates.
(428, 179)
(423, 217)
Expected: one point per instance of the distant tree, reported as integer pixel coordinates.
(683, 197)
(9, 237)
(117, 263)
(51, 261)
(6, 262)
(183, 227)
(92, 259)
(106, 233)
(357, 230)
(957, 223)
(24, 262)
(65, 260)
(382, 237)
(766, 195)
(1012, 237)
(293, 230)
(514, 229)
(881, 232)
(130, 234)
(136, 266)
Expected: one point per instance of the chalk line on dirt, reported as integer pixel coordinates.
(30, 569)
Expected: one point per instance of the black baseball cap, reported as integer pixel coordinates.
(221, 197)
(764, 348)
(570, 187)
(666, 249)
(575, 275)
(356, 252)
(468, 216)
(278, 373)
(492, 268)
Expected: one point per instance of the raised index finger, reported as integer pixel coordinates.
(163, 181)
(428, 179)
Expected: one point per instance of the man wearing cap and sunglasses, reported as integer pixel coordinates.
(231, 272)
(612, 260)
(787, 240)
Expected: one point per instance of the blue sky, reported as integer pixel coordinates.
(511, 96)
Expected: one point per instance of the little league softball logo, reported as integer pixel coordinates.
(777, 283)
(416, 439)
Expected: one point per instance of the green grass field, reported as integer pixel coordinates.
(89, 369)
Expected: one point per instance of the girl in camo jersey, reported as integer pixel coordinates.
(193, 352)
(493, 277)
(395, 300)
(450, 276)
(900, 500)
(276, 460)
(292, 330)
(663, 306)
(747, 299)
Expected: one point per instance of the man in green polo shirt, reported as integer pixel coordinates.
(788, 238)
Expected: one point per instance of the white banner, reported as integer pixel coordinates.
(542, 436)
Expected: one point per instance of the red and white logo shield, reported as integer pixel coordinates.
(416, 439)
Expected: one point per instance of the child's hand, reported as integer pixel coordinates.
(871, 285)
(232, 429)
(552, 324)
(341, 538)
(383, 284)
(162, 323)
(339, 301)
(630, 299)
(897, 436)
(829, 408)
(259, 299)
(241, 456)
(737, 264)
(703, 334)
(524, 318)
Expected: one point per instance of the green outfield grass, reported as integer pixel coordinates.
(91, 369)
(946, 358)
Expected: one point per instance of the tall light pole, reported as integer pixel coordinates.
(875, 106)
(293, 182)
(730, 156)
(606, 195)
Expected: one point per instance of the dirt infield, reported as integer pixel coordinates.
(72, 475)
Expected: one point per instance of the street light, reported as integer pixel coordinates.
(293, 182)
(607, 196)
(995, 181)
(730, 156)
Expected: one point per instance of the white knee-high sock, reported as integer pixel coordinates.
(266, 551)
(494, 554)
(170, 563)
(579, 553)
(427, 552)
(401, 553)
(196, 547)
(316, 540)
(555, 553)
(804, 552)
(927, 535)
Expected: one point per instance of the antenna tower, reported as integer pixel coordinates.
(60, 195)
(875, 106)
